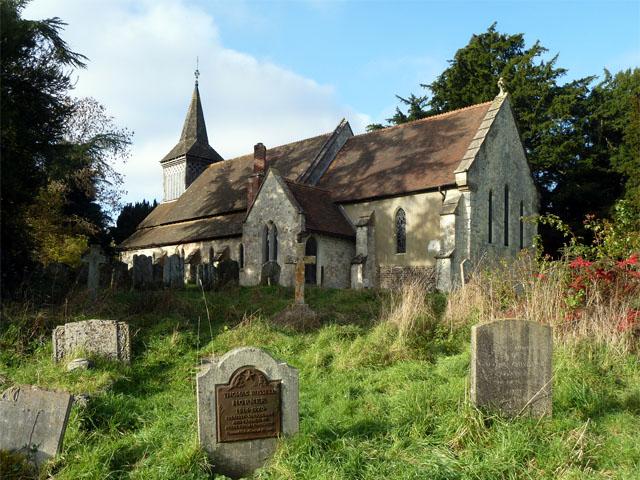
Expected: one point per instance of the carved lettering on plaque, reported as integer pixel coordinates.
(248, 407)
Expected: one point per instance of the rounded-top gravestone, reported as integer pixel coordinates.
(246, 400)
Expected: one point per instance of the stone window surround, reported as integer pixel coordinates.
(397, 231)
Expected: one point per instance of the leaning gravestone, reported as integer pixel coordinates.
(246, 400)
(511, 367)
(173, 276)
(142, 272)
(33, 421)
(108, 338)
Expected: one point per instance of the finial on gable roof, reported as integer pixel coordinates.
(197, 72)
(502, 86)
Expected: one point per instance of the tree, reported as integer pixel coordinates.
(130, 217)
(56, 173)
(555, 120)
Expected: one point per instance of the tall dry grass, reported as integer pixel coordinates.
(602, 309)
(410, 308)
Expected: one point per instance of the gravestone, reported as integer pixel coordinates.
(94, 258)
(33, 421)
(142, 274)
(300, 261)
(120, 276)
(206, 275)
(228, 273)
(108, 338)
(173, 276)
(511, 367)
(270, 273)
(246, 400)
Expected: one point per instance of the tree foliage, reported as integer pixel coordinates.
(130, 216)
(582, 142)
(56, 152)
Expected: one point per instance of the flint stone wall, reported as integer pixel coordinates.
(108, 338)
(241, 458)
(511, 367)
(32, 418)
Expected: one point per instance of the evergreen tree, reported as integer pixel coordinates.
(130, 217)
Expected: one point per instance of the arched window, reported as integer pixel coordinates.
(241, 255)
(275, 243)
(310, 270)
(521, 225)
(506, 215)
(401, 231)
(490, 224)
(265, 244)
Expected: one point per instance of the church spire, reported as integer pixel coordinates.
(194, 140)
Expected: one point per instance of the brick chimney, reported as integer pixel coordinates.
(259, 170)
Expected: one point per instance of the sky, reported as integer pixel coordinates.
(279, 71)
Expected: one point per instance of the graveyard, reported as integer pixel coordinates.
(377, 398)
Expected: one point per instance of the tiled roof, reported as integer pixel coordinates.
(410, 157)
(322, 215)
(183, 232)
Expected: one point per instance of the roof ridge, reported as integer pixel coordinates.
(270, 148)
(310, 187)
(424, 120)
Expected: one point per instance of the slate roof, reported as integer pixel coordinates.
(322, 215)
(406, 158)
(193, 140)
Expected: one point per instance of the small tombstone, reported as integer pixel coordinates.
(158, 274)
(103, 337)
(79, 364)
(120, 277)
(511, 367)
(206, 275)
(94, 258)
(142, 275)
(270, 273)
(246, 400)
(173, 271)
(33, 421)
(228, 273)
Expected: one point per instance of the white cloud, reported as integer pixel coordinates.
(142, 56)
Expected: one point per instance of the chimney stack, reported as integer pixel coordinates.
(259, 170)
(259, 158)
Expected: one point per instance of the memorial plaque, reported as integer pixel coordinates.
(248, 407)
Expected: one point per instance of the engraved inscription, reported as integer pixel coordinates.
(248, 407)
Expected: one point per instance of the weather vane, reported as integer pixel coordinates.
(197, 72)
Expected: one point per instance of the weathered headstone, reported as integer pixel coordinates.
(206, 275)
(94, 258)
(246, 400)
(33, 421)
(270, 273)
(120, 276)
(108, 338)
(511, 364)
(174, 271)
(228, 273)
(142, 274)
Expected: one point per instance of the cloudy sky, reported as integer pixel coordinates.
(274, 72)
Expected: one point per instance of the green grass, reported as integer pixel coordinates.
(371, 406)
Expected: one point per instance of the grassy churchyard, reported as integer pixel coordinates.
(384, 390)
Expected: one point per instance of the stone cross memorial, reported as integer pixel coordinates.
(103, 337)
(511, 367)
(33, 421)
(94, 258)
(246, 400)
(300, 261)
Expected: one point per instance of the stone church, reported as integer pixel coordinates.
(426, 199)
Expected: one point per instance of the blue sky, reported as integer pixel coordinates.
(280, 71)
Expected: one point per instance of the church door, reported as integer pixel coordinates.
(311, 249)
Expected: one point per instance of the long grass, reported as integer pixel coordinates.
(368, 408)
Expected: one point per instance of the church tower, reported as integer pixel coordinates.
(192, 154)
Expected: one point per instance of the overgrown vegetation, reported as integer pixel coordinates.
(384, 391)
